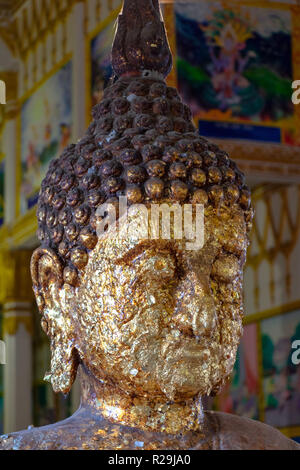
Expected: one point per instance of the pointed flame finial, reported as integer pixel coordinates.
(141, 42)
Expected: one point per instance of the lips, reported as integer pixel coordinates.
(186, 347)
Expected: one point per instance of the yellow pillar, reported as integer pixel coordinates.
(16, 297)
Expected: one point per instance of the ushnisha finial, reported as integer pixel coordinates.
(141, 45)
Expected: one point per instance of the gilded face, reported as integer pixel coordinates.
(156, 318)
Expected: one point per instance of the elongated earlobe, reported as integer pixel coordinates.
(47, 277)
(64, 364)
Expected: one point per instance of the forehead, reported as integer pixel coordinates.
(138, 231)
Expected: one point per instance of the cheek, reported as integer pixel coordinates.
(97, 321)
(229, 327)
(229, 307)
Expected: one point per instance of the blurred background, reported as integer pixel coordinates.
(234, 64)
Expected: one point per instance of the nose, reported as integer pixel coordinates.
(195, 312)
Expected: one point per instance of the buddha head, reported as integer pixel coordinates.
(149, 317)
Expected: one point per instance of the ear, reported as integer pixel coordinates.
(47, 277)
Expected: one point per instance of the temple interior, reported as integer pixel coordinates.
(235, 64)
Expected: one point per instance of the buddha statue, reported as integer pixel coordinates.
(150, 326)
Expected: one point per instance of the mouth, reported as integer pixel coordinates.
(195, 351)
(186, 346)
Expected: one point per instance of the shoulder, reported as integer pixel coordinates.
(18, 440)
(43, 438)
(239, 433)
(37, 439)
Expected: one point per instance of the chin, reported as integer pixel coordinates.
(186, 380)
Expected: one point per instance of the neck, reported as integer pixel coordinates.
(156, 415)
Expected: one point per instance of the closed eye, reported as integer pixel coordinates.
(154, 265)
(144, 247)
(160, 266)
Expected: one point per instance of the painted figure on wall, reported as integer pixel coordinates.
(101, 61)
(240, 396)
(46, 123)
(229, 33)
(281, 378)
(235, 62)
